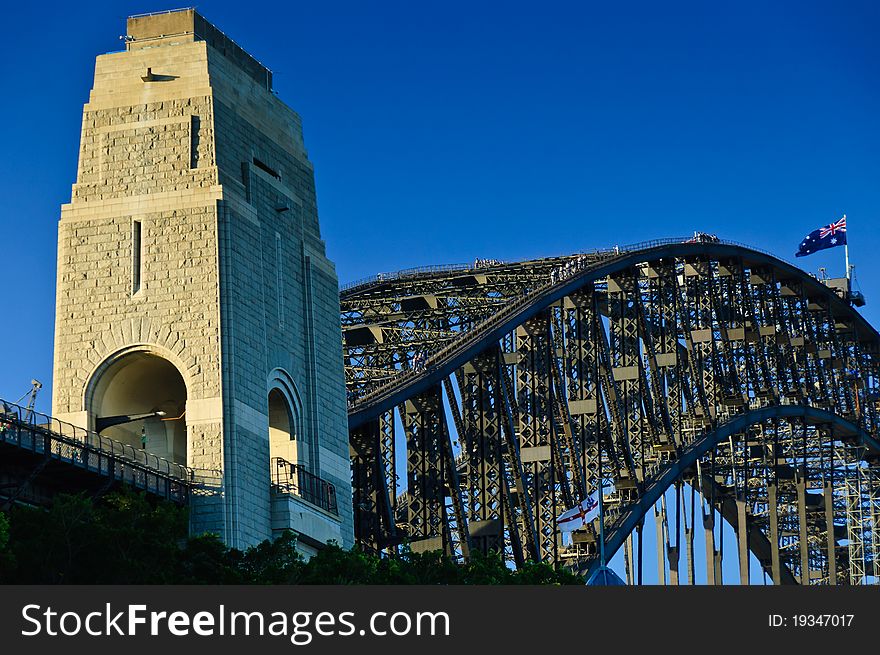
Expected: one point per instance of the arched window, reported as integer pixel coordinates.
(286, 434)
(282, 428)
(139, 398)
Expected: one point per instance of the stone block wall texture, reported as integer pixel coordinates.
(184, 135)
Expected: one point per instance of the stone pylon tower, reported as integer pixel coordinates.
(193, 284)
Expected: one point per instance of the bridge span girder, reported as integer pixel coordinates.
(500, 395)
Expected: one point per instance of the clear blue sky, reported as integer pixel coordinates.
(441, 132)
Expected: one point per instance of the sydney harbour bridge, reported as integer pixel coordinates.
(706, 385)
(697, 381)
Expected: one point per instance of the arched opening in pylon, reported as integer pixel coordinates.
(282, 428)
(139, 398)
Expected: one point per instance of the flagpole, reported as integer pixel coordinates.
(846, 255)
(601, 513)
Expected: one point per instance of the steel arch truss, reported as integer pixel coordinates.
(510, 392)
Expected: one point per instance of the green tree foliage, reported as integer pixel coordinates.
(6, 559)
(334, 565)
(4, 532)
(206, 560)
(125, 539)
(122, 540)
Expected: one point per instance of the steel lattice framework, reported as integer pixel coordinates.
(707, 376)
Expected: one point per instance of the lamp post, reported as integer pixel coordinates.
(105, 422)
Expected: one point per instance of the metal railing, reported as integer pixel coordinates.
(407, 272)
(161, 13)
(58, 440)
(295, 480)
(611, 251)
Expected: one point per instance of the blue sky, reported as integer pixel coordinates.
(441, 132)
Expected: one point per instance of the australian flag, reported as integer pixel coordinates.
(825, 237)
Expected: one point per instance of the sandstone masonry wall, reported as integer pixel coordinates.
(234, 282)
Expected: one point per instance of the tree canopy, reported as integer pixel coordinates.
(126, 539)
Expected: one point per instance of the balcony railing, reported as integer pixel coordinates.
(293, 479)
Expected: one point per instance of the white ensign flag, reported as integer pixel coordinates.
(579, 516)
